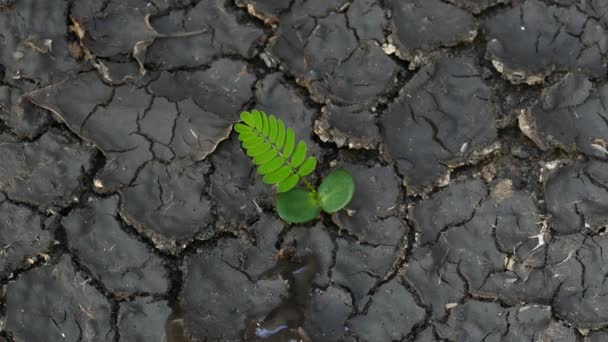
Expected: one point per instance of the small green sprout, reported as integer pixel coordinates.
(283, 163)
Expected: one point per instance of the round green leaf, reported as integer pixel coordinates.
(308, 167)
(288, 183)
(297, 206)
(336, 190)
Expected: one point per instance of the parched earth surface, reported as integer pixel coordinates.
(476, 132)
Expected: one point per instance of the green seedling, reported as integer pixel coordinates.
(283, 163)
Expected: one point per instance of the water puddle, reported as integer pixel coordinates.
(285, 322)
(175, 327)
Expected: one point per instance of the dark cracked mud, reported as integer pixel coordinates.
(476, 131)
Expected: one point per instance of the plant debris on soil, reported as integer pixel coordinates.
(476, 132)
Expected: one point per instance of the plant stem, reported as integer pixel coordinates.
(309, 186)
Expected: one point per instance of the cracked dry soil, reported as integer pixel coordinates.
(476, 131)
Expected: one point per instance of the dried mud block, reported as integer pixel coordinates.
(316, 8)
(536, 284)
(368, 19)
(392, 315)
(47, 172)
(132, 127)
(477, 6)
(344, 81)
(332, 74)
(533, 322)
(452, 206)
(479, 250)
(444, 117)
(475, 246)
(72, 100)
(598, 336)
(114, 27)
(359, 267)
(529, 41)
(593, 8)
(143, 320)
(219, 33)
(577, 197)
(167, 204)
(568, 279)
(33, 42)
(373, 212)
(421, 26)
(55, 303)
(223, 88)
(22, 236)
(154, 147)
(327, 314)
(221, 291)
(83, 104)
(268, 11)
(570, 115)
(21, 117)
(257, 259)
(313, 241)
(198, 132)
(123, 72)
(435, 279)
(352, 126)
(426, 336)
(274, 95)
(237, 189)
(475, 321)
(125, 265)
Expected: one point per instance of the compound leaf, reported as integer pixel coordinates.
(272, 147)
